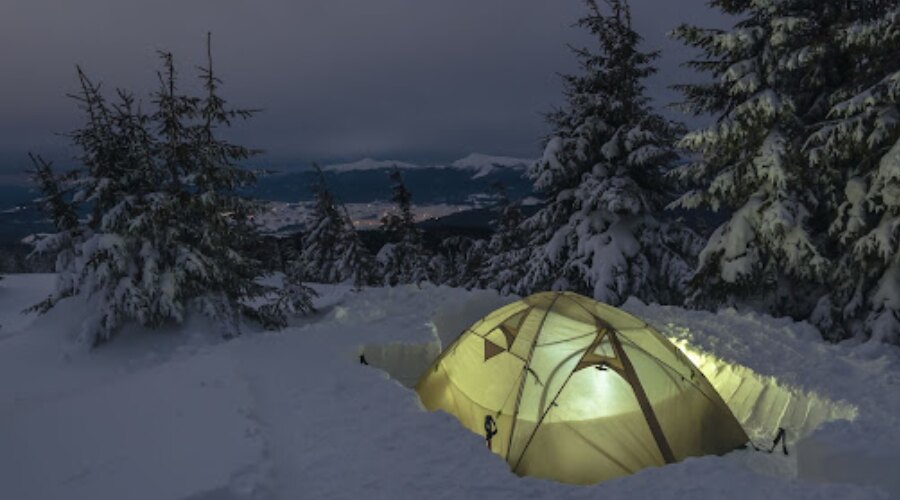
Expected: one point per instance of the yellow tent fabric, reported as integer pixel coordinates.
(568, 388)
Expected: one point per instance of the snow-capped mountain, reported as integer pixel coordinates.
(481, 164)
(486, 164)
(366, 180)
(368, 164)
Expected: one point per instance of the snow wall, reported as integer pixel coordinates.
(406, 362)
(823, 435)
(762, 404)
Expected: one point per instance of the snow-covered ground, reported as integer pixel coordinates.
(181, 415)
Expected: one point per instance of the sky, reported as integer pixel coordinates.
(338, 80)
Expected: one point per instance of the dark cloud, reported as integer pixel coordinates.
(338, 79)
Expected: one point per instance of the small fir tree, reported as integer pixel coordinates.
(504, 253)
(355, 256)
(166, 231)
(292, 298)
(404, 259)
(465, 259)
(55, 202)
(332, 251)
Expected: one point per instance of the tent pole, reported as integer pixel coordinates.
(515, 415)
(649, 415)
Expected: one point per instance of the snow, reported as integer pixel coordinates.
(88, 441)
(182, 415)
(840, 403)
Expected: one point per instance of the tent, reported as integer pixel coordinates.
(567, 388)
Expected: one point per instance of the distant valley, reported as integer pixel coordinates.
(366, 181)
(437, 190)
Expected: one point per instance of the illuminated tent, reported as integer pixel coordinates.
(566, 388)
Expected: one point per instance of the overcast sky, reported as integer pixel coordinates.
(417, 80)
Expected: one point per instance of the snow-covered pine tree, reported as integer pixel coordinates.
(355, 256)
(116, 179)
(602, 176)
(464, 258)
(505, 252)
(862, 142)
(220, 231)
(55, 202)
(404, 258)
(771, 78)
(323, 227)
(166, 231)
(332, 251)
(292, 298)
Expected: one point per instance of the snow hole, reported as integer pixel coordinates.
(761, 403)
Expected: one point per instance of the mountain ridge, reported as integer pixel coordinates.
(481, 164)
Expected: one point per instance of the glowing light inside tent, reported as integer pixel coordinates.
(528, 363)
(602, 394)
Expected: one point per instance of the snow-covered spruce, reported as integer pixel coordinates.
(165, 230)
(293, 298)
(602, 175)
(332, 251)
(463, 259)
(772, 75)
(404, 259)
(861, 142)
(503, 256)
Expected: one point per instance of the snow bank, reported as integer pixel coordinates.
(180, 415)
(762, 403)
(407, 361)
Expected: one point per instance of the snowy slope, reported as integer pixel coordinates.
(292, 414)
